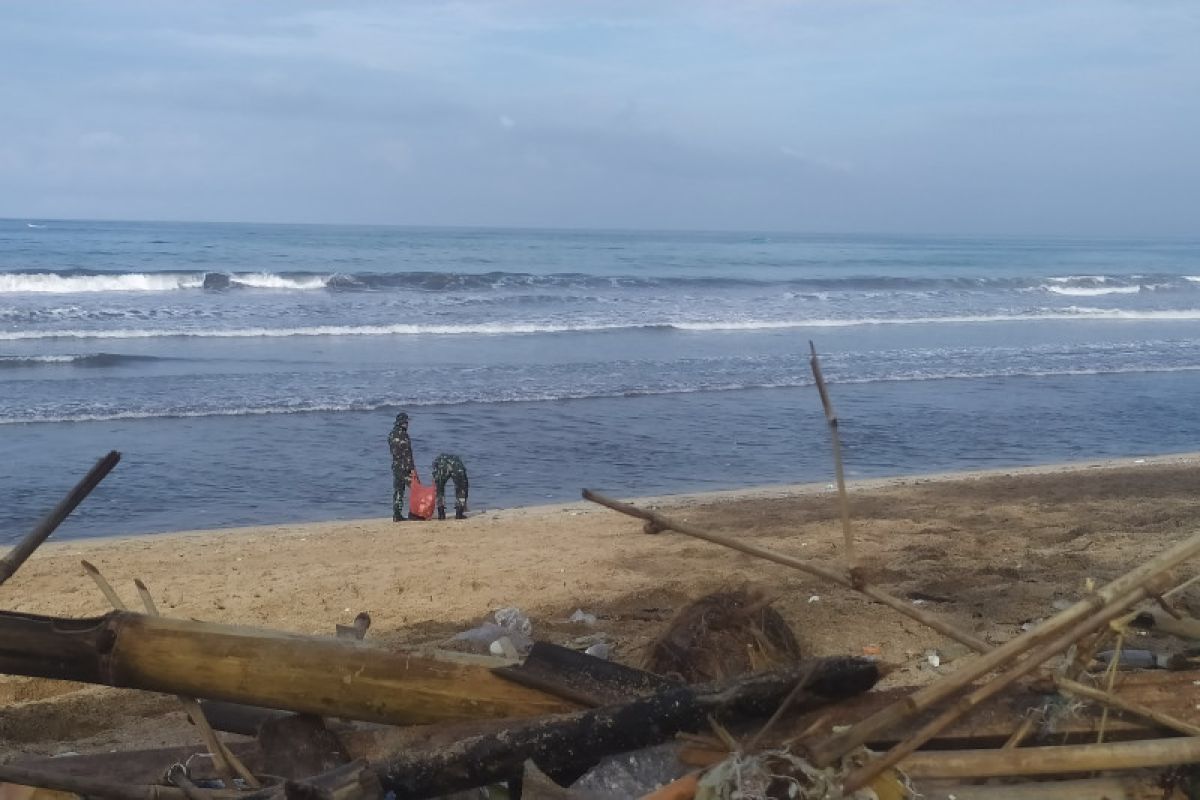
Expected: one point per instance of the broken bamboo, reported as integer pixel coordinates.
(875, 593)
(1053, 760)
(317, 675)
(1102, 599)
(24, 549)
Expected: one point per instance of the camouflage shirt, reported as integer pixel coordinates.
(401, 447)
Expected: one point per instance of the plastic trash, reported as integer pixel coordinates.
(511, 623)
(632, 774)
(582, 616)
(599, 650)
(515, 620)
(503, 647)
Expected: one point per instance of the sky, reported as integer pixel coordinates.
(956, 117)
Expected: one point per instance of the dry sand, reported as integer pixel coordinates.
(991, 551)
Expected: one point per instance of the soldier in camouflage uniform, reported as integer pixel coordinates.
(446, 468)
(402, 464)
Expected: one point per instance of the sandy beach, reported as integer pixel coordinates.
(990, 550)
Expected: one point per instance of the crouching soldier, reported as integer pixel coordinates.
(450, 468)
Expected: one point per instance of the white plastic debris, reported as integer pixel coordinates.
(599, 650)
(933, 658)
(582, 616)
(815, 598)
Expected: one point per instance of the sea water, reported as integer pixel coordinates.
(250, 373)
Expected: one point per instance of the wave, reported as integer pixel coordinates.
(80, 360)
(75, 281)
(1070, 313)
(1096, 291)
(490, 398)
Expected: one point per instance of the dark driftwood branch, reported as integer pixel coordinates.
(565, 746)
(659, 522)
(24, 549)
(50, 779)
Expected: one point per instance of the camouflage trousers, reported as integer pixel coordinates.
(401, 480)
(450, 468)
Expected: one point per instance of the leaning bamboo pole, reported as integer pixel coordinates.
(660, 522)
(1053, 760)
(316, 675)
(24, 549)
(858, 735)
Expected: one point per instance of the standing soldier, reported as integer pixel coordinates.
(402, 464)
(447, 467)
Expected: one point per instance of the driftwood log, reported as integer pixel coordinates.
(315, 675)
(564, 747)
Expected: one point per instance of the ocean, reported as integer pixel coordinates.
(250, 373)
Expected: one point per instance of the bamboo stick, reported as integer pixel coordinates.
(1020, 733)
(105, 587)
(875, 593)
(1121, 704)
(922, 699)
(867, 772)
(1053, 760)
(317, 675)
(832, 418)
(24, 549)
(228, 764)
(1115, 788)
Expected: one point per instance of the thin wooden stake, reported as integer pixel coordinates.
(659, 522)
(24, 549)
(844, 503)
(228, 764)
(1112, 681)
(1110, 700)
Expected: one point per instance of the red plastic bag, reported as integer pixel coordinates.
(421, 498)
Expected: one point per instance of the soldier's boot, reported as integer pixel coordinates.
(459, 512)
(441, 512)
(397, 518)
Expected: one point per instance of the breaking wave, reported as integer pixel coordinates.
(90, 281)
(1070, 313)
(80, 360)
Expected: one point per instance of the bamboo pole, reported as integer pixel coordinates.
(226, 762)
(1121, 704)
(661, 522)
(24, 549)
(858, 735)
(317, 675)
(1053, 760)
(843, 503)
(1044, 652)
(1115, 788)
